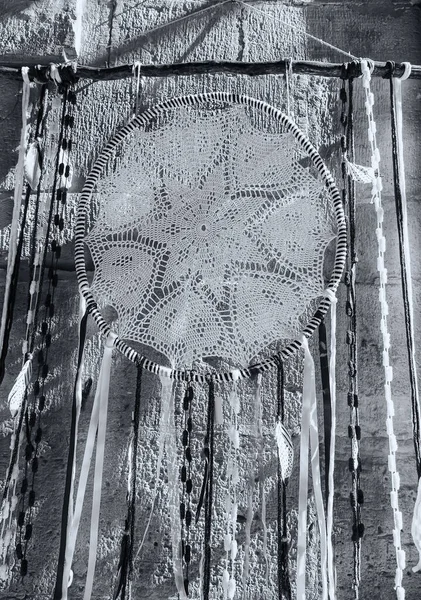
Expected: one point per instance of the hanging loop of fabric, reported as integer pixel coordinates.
(288, 82)
(136, 75)
(407, 71)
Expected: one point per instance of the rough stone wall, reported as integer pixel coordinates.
(117, 32)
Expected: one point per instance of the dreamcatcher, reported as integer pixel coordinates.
(215, 216)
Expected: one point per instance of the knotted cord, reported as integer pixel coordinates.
(354, 430)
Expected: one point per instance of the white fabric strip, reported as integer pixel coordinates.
(89, 448)
(67, 577)
(173, 483)
(303, 482)
(78, 24)
(332, 385)
(317, 482)
(315, 467)
(17, 203)
(104, 385)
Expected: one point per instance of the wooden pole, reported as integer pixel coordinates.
(71, 72)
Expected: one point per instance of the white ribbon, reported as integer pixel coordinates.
(332, 385)
(309, 430)
(104, 384)
(97, 423)
(67, 572)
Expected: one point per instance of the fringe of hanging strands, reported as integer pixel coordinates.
(18, 396)
(33, 414)
(96, 432)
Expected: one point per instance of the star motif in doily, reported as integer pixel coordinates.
(203, 230)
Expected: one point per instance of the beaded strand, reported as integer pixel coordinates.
(388, 370)
(354, 430)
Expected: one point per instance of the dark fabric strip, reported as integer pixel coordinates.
(410, 344)
(284, 584)
(327, 406)
(209, 490)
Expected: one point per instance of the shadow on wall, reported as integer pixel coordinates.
(11, 8)
(115, 55)
(10, 129)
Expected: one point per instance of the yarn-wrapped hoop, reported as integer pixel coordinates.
(206, 202)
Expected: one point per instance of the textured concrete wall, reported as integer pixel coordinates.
(116, 32)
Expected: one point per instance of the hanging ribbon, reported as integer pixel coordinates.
(309, 432)
(63, 568)
(104, 384)
(330, 475)
(97, 425)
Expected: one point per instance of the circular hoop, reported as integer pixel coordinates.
(84, 203)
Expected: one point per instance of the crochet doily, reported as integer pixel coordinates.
(211, 234)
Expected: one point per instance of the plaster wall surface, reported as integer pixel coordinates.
(118, 32)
